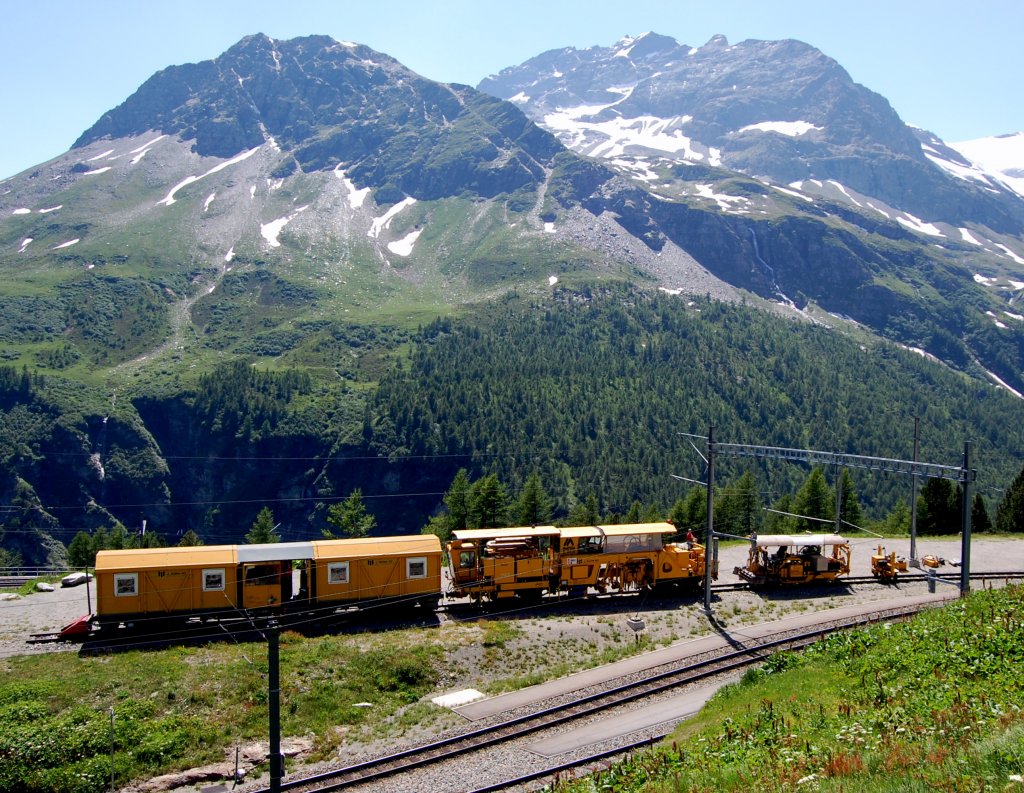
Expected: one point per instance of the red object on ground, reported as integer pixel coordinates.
(79, 627)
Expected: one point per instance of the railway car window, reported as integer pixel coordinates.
(592, 545)
(213, 579)
(337, 573)
(467, 559)
(416, 567)
(126, 584)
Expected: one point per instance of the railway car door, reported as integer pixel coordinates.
(263, 585)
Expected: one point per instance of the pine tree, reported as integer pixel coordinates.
(898, 520)
(533, 508)
(350, 517)
(738, 510)
(586, 513)
(979, 515)
(814, 500)
(190, 539)
(80, 551)
(780, 519)
(263, 529)
(487, 503)
(849, 505)
(457, 501)
(938, 508)
(1010, 513)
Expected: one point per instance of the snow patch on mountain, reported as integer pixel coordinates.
(1001, 157)
(24, 244)
(617, 136)
(727, 203)
(793, 129)
(794, 193)
(966, 235)
(143, 150)
(270, 231)
(356, 197)
(384, 221)
(169, 198)
(637, 167)
(996, 321)
(1010, 253)
(67, 244)
(404, 246)
(96, 171)
(916, 224)
(960, 171)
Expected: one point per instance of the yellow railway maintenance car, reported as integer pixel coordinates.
(291, 578)
(887, 566)
(527, 562)
(795, 559)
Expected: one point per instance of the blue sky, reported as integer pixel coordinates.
(952, 67)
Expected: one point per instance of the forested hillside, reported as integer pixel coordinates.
(586, 391)
(591, 390)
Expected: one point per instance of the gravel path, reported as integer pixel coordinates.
(41, 612)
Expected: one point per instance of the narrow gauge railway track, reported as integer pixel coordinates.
(903, 578)
(480, 739)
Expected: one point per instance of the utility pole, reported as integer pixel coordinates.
(274, 691)
(709, 540)
(839, 499)
(965, 517)
(913, 496)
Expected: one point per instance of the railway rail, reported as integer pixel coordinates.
(579, 707)
(915, 577)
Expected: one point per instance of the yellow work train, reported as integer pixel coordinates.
(795, 559)
(527, 562)
(312, 578)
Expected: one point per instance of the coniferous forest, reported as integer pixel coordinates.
(583, 400)
(593, 391)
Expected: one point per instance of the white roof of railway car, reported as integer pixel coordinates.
(275, 552)
(618, 530)
(800, 539)
(505, 534)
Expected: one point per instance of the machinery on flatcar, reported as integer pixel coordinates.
(795, 559)
(289, 579)
(527, 562)
(887, 566)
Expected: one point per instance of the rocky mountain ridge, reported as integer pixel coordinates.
(780, 111)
